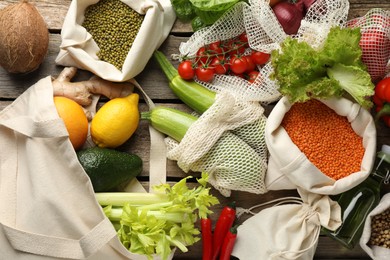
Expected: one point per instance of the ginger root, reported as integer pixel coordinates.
(82, 91)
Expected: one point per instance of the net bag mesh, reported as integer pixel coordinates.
(227, 142)
(264, 34)
(375, 41)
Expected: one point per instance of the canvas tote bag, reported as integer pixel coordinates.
(47, 204)
(289, 168)
(78, 49)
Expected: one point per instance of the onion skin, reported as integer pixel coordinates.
(24, 38)
(308, 4)
(289, 15)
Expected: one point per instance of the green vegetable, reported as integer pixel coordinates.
(199, 99)
(169, 121)
(209, 11)
(108, 168)
(190, 92)
(166, 220)
(197, 23)
(184, 10)
(333, 70)
(233, 159)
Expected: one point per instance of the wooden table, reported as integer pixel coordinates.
(155, 85)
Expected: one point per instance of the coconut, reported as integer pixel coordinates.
(24, 37)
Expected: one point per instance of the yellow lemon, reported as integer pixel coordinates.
(116, 121)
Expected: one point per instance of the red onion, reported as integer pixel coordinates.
(289, 15)
(307, 4)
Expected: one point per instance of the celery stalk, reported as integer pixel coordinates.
(115, 214)
(120, 198)
(153, 223)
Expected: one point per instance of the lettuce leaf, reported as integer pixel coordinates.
(334, 70)
(213, 5)
(184, 10)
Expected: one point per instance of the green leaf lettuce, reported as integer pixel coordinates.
(333, 70)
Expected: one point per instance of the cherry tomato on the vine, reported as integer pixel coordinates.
(205, 74)
(220, 65)
(243, 37)
(235, 47)
(251, 66)
(238, 64)
(186, 70)
(215, 48)
(253, 75)
(260, 58)
(202, 56)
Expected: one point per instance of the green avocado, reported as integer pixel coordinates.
(108, 168)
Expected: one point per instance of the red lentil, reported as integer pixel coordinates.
(326, 138)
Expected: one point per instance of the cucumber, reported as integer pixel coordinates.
(108, 168)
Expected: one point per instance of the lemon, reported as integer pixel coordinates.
(115, 122)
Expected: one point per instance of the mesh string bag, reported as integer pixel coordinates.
(227, 141)
(375, 41)
(264, 34)
(231, 25)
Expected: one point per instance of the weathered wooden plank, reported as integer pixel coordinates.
(151, 79)
(54, 12)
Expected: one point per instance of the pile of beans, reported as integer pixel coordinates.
(380, 229)
(114, 27)
(326, 138)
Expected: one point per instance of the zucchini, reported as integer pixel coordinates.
(169, 121)
(190, 92)
(199, 98)
(233, 162)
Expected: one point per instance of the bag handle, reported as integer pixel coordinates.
(158, 151)
(51, 246)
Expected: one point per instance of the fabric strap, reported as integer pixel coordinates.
(158, 152)
(39, 244)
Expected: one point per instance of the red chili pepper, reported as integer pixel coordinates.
(228, 243)
(207, 238)
(224, 223)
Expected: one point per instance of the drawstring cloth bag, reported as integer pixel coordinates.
(78, 49)
(47, 205)
(375, 252)
(289, 168)
(288, 231)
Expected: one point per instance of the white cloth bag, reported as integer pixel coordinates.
(47, 204)
(78, 49)
(289, 168)
(375, 252)
(287, 231)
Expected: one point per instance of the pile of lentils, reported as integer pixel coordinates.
(114, 26)
(380, 230)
